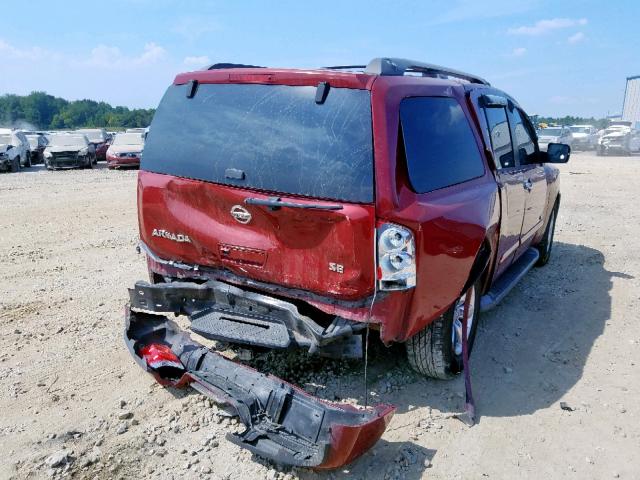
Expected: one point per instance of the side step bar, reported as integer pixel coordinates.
(509, 279)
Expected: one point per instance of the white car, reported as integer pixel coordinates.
(554, 135)
(585, 137)
(619, 138)
(14, 150)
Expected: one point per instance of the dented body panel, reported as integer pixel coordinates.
(293, 248)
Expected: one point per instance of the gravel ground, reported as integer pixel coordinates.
(74, 403)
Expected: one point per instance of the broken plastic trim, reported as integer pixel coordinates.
(282, 422)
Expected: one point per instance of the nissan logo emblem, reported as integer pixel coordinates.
(241, 214)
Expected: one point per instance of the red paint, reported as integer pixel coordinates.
(293, 248)
(290, 247)
(101, 150)
(349, 442)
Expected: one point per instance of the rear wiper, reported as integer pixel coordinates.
(275, 203)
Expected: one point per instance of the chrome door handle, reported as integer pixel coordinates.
(528, 185)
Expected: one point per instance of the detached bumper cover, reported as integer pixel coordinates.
(283, 423)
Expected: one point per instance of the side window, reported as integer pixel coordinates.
(524, 139)
(500, 136)
(440, 147)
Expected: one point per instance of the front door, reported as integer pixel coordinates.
(534, 181)
(510, 180)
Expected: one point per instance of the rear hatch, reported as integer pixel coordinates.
(216, 164)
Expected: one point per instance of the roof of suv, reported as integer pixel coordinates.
(344, 75)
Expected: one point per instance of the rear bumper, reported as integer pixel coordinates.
(221, 311)
(386, 314)
(283, 423)
(122, 161)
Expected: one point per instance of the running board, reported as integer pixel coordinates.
(509, 279)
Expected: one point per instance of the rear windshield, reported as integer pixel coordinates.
(68, 140)
(96, 136)
(128, 139)
(268, 137)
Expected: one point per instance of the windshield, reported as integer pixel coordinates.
(33, 141)
(268, 137)
(95, 136)
(579, 129)
(551, 132)
(68, 141)
(128, 139)
(5, 138)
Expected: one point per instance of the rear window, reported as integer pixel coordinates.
(268, 137)
(439, 143)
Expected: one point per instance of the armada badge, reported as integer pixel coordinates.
(175, 237)
(241, 214)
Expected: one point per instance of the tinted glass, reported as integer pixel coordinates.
(524, 139)
(68, 140)
(439, 144)
(500, 136)
(128, 139)
(277, 135)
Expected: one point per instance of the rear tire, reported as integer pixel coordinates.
(545, 246)
(15, 165)
(432, 352)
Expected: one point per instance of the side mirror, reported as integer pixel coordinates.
(557, 153)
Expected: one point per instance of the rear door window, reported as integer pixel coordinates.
(440, 147)
(267, 137)
(500, 137)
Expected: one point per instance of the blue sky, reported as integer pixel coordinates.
(555, 57)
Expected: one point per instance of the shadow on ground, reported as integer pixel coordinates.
(529, 352)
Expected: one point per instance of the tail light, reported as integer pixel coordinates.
(396, 258)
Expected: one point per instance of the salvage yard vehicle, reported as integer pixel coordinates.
(283, 208)
(37, 144)
(69, 150)
(619, 138)
(585, 137)
(99, 139)
(550, 135)
(14, 150)
(125, 150)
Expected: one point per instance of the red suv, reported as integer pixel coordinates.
(288, 208)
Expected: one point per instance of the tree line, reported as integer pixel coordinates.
(599, 123)
(42, 111)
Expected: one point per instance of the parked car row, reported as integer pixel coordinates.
(619, 138)
(81, 148)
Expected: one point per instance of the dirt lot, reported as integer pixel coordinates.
(72, 397)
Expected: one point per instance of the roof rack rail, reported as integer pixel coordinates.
(219, 66)
(400, 66)
(346, 67)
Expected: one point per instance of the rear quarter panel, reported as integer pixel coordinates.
(450, 224)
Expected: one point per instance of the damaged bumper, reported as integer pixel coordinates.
(221, 311)
(282, 422)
